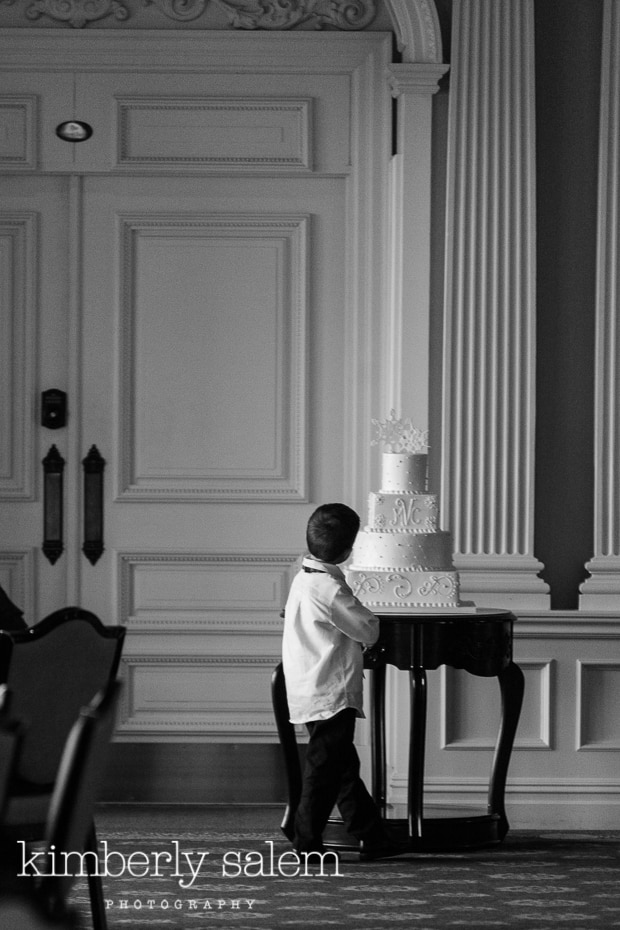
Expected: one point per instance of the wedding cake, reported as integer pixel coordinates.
(402, 561)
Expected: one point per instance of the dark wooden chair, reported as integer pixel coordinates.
(25, 915)
(54, 669)
(71, 825)
(11, 733)
(39, 902)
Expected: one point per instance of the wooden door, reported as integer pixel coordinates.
(216, 264)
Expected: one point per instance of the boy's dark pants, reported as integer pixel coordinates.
(332, 776)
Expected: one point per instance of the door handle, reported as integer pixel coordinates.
(93, 466)
(53, 468)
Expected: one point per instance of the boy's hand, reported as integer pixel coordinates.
(372, 656)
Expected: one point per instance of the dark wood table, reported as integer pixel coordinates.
(480, 642)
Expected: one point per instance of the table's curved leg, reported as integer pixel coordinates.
(288, 742)
(511, 683)
(377, 737)
(417, 737)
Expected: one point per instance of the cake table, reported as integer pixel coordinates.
(480, 642)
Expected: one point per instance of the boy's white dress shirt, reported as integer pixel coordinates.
(325, 626)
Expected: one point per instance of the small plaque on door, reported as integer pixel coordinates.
(74, 131)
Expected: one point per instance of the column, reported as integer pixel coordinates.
(602, 590)
(487, 485)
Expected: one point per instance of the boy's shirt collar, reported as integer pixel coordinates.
(316, 565)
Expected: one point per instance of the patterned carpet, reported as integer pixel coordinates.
(532, 881)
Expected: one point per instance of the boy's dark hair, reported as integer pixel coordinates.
(331, 530)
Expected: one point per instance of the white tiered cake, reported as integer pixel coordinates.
(401, 560)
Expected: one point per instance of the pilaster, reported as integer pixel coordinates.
(602, 590)
(487, 485)
(407, 364)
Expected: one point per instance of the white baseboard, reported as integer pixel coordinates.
(557, 805)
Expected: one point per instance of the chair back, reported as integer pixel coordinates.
(6, 651)
(77, 789)
(11, 616)
(11, 734)
(56, 667)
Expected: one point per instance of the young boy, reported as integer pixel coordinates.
(325, 629)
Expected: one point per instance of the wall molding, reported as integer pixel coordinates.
(286, 478)
(172, 133)
(184, 697)
(452, 737)
(179, 51)
(18, 353)
(596, 709)
(144, 609)
(567, 625)
(18, 125)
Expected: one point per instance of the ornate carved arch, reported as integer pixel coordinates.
(417, 29)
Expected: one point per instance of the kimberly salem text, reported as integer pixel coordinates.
(183, 865)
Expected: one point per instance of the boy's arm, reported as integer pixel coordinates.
(353, 619)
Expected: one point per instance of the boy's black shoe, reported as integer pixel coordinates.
(382, 851)
(389, 843)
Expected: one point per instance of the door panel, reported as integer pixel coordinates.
(32, 104)
(197, 332)
(34, 294)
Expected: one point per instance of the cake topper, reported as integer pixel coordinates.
(399, 435)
